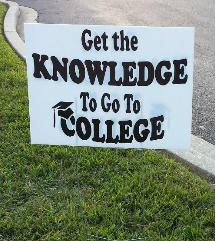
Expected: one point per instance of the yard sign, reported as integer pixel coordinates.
(110, 86)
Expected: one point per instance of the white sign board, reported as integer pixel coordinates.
(110, 86)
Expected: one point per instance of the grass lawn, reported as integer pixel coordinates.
(62, 193)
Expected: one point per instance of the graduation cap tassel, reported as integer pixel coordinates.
(54, 118)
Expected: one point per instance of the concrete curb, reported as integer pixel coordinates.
(10, 27)
(27, 15)
(10, 23)
(200, 158)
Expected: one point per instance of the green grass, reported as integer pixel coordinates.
(60, 193)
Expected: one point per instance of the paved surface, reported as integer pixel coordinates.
(197, 13)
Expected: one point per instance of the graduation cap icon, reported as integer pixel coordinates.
(63, 109)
